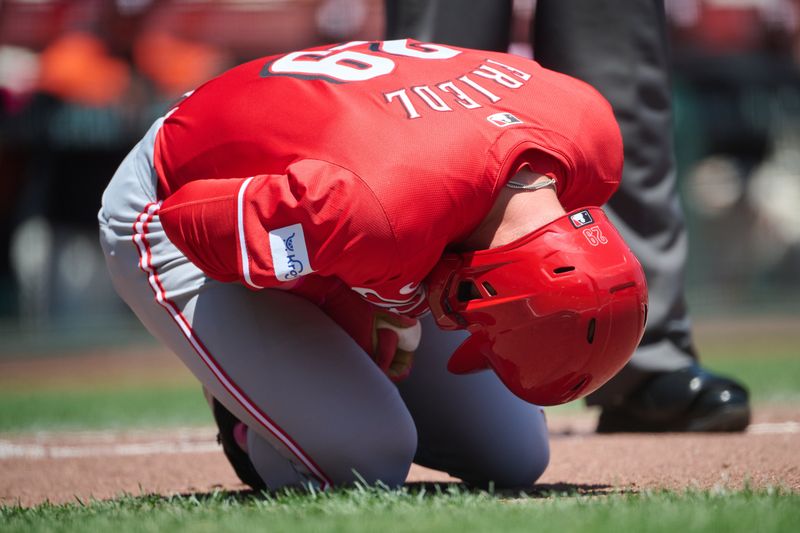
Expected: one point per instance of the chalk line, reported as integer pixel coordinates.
(116, 443)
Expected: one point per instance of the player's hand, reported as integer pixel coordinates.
(395, 339)
(388, 338)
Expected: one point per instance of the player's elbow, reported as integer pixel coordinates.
(200, 221)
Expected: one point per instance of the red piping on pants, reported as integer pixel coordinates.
(146, 265)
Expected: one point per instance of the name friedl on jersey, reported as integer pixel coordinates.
(466, 91)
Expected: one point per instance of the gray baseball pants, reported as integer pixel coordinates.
(319, 410)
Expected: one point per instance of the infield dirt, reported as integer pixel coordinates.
(64, 466)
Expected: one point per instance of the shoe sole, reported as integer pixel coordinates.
(729, 419)
(732, 418)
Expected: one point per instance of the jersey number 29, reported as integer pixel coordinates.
(340, 64)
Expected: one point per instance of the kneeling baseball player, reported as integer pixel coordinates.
(375, 253)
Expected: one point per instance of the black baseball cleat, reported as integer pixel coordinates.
(687, 400)
(228, 426)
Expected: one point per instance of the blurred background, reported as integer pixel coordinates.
(81, 80)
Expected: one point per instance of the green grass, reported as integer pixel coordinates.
(129, 406)
(438, 510)
(770, 379)
(770, 371)
(768, 365)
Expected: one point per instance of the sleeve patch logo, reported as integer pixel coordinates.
(289, 252)
(501, 120)
(581, 218)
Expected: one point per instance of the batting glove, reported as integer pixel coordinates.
(388, 338)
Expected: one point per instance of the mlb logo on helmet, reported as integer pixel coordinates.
(581, 218)
(503, 119)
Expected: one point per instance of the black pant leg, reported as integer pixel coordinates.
(620, 47)
(482, 24)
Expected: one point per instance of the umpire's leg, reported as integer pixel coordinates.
(482, 24)
(619, 46)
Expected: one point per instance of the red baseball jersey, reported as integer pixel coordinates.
(363, 162)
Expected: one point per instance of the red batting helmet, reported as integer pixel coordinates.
(556, 313)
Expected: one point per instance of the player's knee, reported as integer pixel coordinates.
(527, 470)
(384, 456)
(516, 472)
(515, 465)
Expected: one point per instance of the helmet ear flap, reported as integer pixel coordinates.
(468, 358)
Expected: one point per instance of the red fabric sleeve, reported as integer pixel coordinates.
(541, 163)
(271, 229)
(591, 175)
(583, 152)
(200, 219)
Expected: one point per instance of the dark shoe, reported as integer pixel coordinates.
(687, 400)
(228, 426)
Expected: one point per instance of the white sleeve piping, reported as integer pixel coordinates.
(242, 240)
